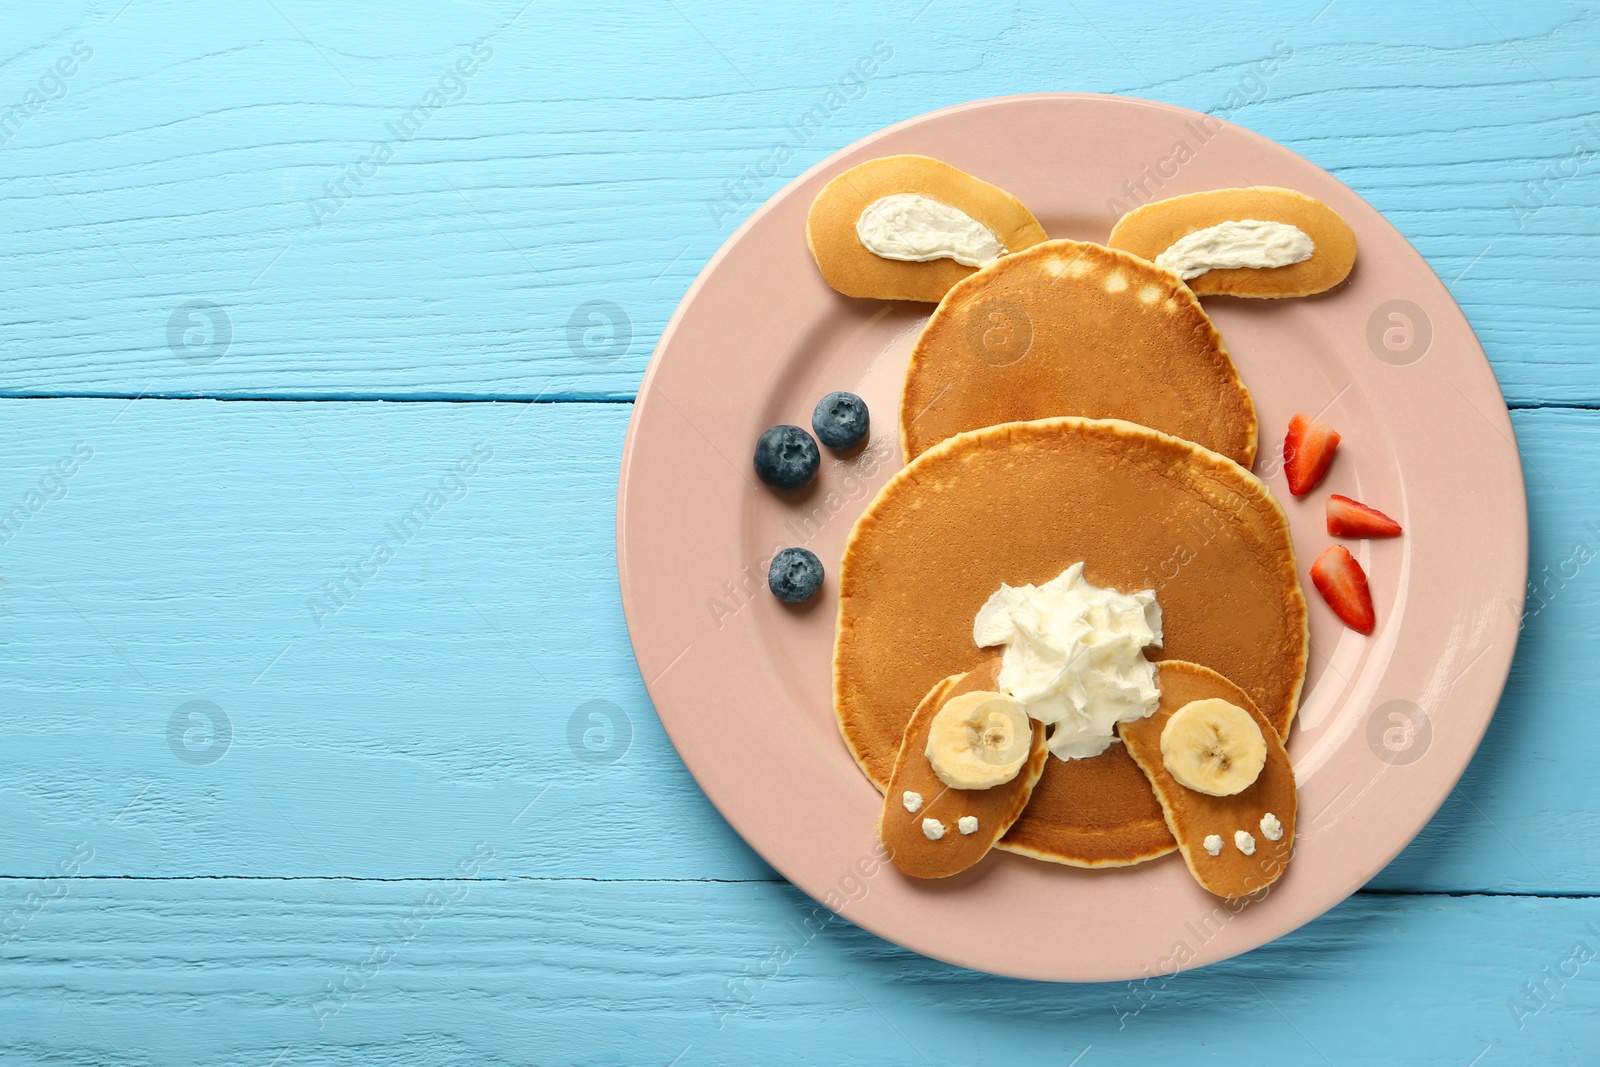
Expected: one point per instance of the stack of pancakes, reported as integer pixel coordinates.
(1069, 402)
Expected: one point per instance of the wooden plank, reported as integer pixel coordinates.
(176, 564)
(465, 970)
(591, 158)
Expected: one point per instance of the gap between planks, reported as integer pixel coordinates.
(672, 881)
(537, 398)
(333, 398)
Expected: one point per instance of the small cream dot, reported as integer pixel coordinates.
(1055, 267)
(1079, 267)
(1149, 294)
(1241, 840)
(912, 800)
(967, 824)
(932, 829)
(1213, 844)
(1116, 282)
(1271, 828)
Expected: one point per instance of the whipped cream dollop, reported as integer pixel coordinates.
(1241, 243)
(913, 228)
(1074, 656)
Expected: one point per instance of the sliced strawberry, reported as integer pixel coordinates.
(1352, 518)
(1307, 451)
(1343, 584)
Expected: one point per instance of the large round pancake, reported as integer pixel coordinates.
(849, 267)
(1019, 503)
(1067, 328)
(1150, 230)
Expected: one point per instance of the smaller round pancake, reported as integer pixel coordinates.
(1194, 816)
(848, 266)
(909, 848)
(1068, 328)
(1150, 230)
(1019, 503)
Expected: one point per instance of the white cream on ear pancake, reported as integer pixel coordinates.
(1152, 229)
(853, 270)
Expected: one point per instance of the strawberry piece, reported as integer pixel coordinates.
(1307, 451)
(1352, 518)
(1343, 584)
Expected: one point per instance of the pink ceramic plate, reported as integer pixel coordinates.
(742, 682)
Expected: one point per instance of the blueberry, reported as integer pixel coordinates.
(795, 575)
(840, 421)
(787, 457)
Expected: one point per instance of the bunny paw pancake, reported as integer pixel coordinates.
(1144, 513)
(966, 768)
(910, 227)
(1068, 328)
(1222, 776)
(1257, 242)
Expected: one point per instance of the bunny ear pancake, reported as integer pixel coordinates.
(1068, 328)
(1150, 230)
(852, 270)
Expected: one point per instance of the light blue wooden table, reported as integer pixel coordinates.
(307, 584)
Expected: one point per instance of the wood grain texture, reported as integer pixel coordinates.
(433, 706)
(436, 705)
(571, 972)
(594, 157)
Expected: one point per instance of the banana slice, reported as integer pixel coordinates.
(1213, 747)
(979, 740)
